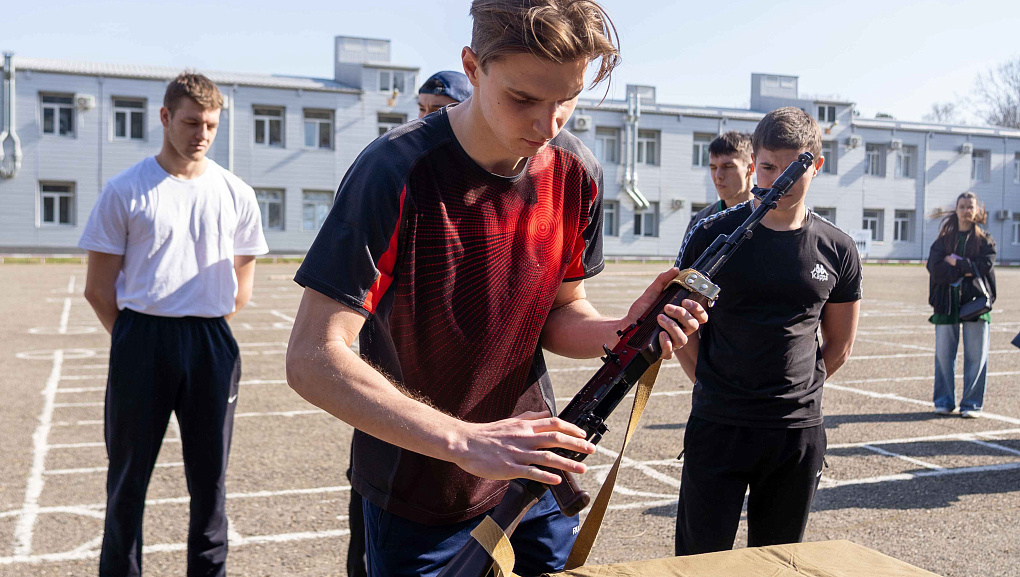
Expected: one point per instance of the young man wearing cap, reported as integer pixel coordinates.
(756, 410)
(441, 89)
(172, 244)
(457, 247)
(731, 168)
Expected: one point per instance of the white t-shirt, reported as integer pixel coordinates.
(178, 238)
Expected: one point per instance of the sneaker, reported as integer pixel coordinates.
(943, 411)
(970, 414)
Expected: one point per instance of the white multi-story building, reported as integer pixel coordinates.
(292, 138)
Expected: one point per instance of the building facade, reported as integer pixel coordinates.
(292, 138)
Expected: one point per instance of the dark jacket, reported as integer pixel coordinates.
(942, 275)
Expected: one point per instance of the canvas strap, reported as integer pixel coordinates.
(497, 545)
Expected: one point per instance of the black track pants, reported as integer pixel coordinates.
(781, 466)
(160, 365)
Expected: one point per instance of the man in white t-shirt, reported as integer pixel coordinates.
(172, 244)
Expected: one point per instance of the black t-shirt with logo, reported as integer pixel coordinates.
(760, 361)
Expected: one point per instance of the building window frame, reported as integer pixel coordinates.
(272, 207)
(699, 156)
(318, 125)
(268, 129)
(874, 160)
(903, 226)
(611, 218)
(826, 212)
(648, 147)
(57, 204)
(873, 219)
(1016, 168)
(906, 162)
(981, 166)
(826, 113)
(395, 80)
(315, 207)
(1016, 229)
(389, 120)
(128, 118)
(646, 221)
(829, 152)
(58, 114)
(607, 144)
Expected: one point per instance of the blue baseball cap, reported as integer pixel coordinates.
(448, 83)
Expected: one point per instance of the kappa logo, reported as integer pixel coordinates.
(819, 273)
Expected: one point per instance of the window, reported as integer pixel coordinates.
(700, 155)
(607, 144)
(828, 213)
(268, 126)
(697, 207)
(390, 80)
(826, 113)
(56, 204)
(388, 122)
(1016, 228)
(271, 206)
(646, 221)
(1016, 168)
(906, 162)
(903, 225)
(58, 114)
(128, 119)
(648, 146)
(980, 165)
(829, 149)
(610, 218)
(873, 221)
(874, 159)
(319, 129)
(314, 209)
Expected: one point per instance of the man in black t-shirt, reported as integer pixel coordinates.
(731, 168)
(758, 366)
(457, 247)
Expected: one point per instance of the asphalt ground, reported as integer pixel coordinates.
(942, 493)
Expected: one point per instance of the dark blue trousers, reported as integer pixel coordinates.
(397, 547)
(190, 366)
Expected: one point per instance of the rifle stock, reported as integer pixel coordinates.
(623, 366)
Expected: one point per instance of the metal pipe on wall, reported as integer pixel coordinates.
(9, 121)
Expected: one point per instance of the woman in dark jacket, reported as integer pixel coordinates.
(962, 251)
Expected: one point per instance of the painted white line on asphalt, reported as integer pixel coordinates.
(891, 396)
(87, 470)
(919, 462)
(30, 509)
(995, 446)
(891, 344)
(832, 484)
(82, 367)
(82, 377)
(640, 466)
(280, 315)
(282, 413)
(64, 316)
(80, 390)
(916, 355)
(78, 554)
(95, 444)
(907, 440)
(264, 382)
(65, 405)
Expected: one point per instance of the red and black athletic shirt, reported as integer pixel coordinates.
(455, 270)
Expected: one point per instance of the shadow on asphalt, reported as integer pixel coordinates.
(834, 421)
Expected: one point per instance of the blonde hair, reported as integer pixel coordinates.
(555, 30)
(195, 86)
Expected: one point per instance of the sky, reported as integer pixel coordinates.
(895, 57)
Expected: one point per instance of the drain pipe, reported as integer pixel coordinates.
(9, 121)
(631, 178)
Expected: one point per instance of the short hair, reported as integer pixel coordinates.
(195, 86)
(555, 30)
(731, 143)
(788, 128)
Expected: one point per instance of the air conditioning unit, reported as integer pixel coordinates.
(84, 101)
(967, 148)
(895, 144)
(854, 140)
(677, 204)
(1004, 214)
(582, 123)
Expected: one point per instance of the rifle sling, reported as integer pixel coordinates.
(593, 522)
(495, 542)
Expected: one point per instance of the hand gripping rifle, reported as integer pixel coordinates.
(637, 350)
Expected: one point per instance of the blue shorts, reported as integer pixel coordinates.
(396, 547)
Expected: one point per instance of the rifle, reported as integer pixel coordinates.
(637, 350)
